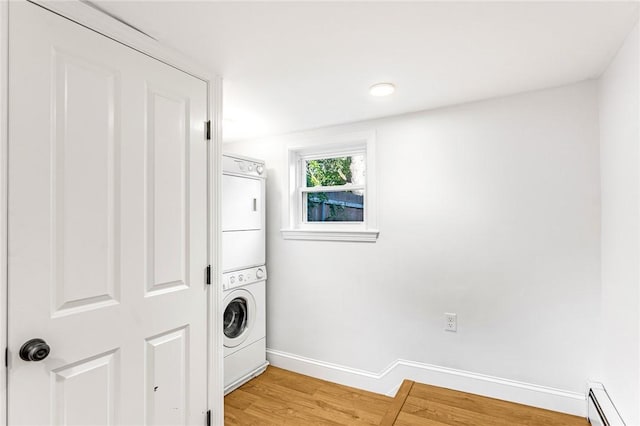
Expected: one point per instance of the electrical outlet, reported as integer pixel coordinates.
(450, 322)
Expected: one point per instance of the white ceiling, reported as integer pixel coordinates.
(291, 66)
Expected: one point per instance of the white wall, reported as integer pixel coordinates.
(620, 160)
(490, 210)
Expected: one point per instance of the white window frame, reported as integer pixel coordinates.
(302, 189)
(295, 226)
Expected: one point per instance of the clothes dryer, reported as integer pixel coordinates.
(243, 212)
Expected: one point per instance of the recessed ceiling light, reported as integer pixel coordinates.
(382, 89)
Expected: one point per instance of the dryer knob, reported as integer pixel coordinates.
(259, 169)
(260, 273)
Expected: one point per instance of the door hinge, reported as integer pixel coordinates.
(6, 357)
(208, 417)
(207, 129)
(208, 274)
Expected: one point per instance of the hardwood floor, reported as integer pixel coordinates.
(280, 397)
(418, 404)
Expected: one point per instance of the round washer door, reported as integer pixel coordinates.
(238, 318)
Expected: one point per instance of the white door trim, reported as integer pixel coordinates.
(216, 371)
(4, 135)
(95, 20)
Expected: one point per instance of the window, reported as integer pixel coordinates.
(332, 190)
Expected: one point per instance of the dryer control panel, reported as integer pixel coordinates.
(243, 277)
(245, 166)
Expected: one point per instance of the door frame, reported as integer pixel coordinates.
(106, 25)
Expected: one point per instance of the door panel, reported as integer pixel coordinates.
(84, 176)
(107, 230)
(167, 389)
(166, 203)
(71, 404)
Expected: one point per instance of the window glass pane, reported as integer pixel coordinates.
(335, 171)
(338, 206)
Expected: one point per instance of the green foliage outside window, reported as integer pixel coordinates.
(329, 171)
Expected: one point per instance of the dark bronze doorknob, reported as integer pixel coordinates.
(34, 350)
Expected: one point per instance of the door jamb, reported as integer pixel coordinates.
(4, 138)
(95, 20)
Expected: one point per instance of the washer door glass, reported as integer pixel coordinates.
(235, 318)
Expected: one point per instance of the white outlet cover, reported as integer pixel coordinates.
(450, 322)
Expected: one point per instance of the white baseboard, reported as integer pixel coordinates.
(388, 381)
(601, 410)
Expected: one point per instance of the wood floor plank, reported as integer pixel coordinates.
(407, 419)
(450, 415)
(501, 410)
(353, 394)
(396, 406)
(236, 417)
(371, 402)
(292, 380)
(353, 412)
(290, 416)
(280, 396)
(278, 405)
(240, 399)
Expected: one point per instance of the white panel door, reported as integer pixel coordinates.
(108, 230)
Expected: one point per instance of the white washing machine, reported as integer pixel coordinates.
(244, 325)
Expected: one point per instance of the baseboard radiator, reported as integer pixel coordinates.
(600, 409)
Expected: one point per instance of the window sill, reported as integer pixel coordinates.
(369, 236)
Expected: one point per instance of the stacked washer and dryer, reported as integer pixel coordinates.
(244, 271)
